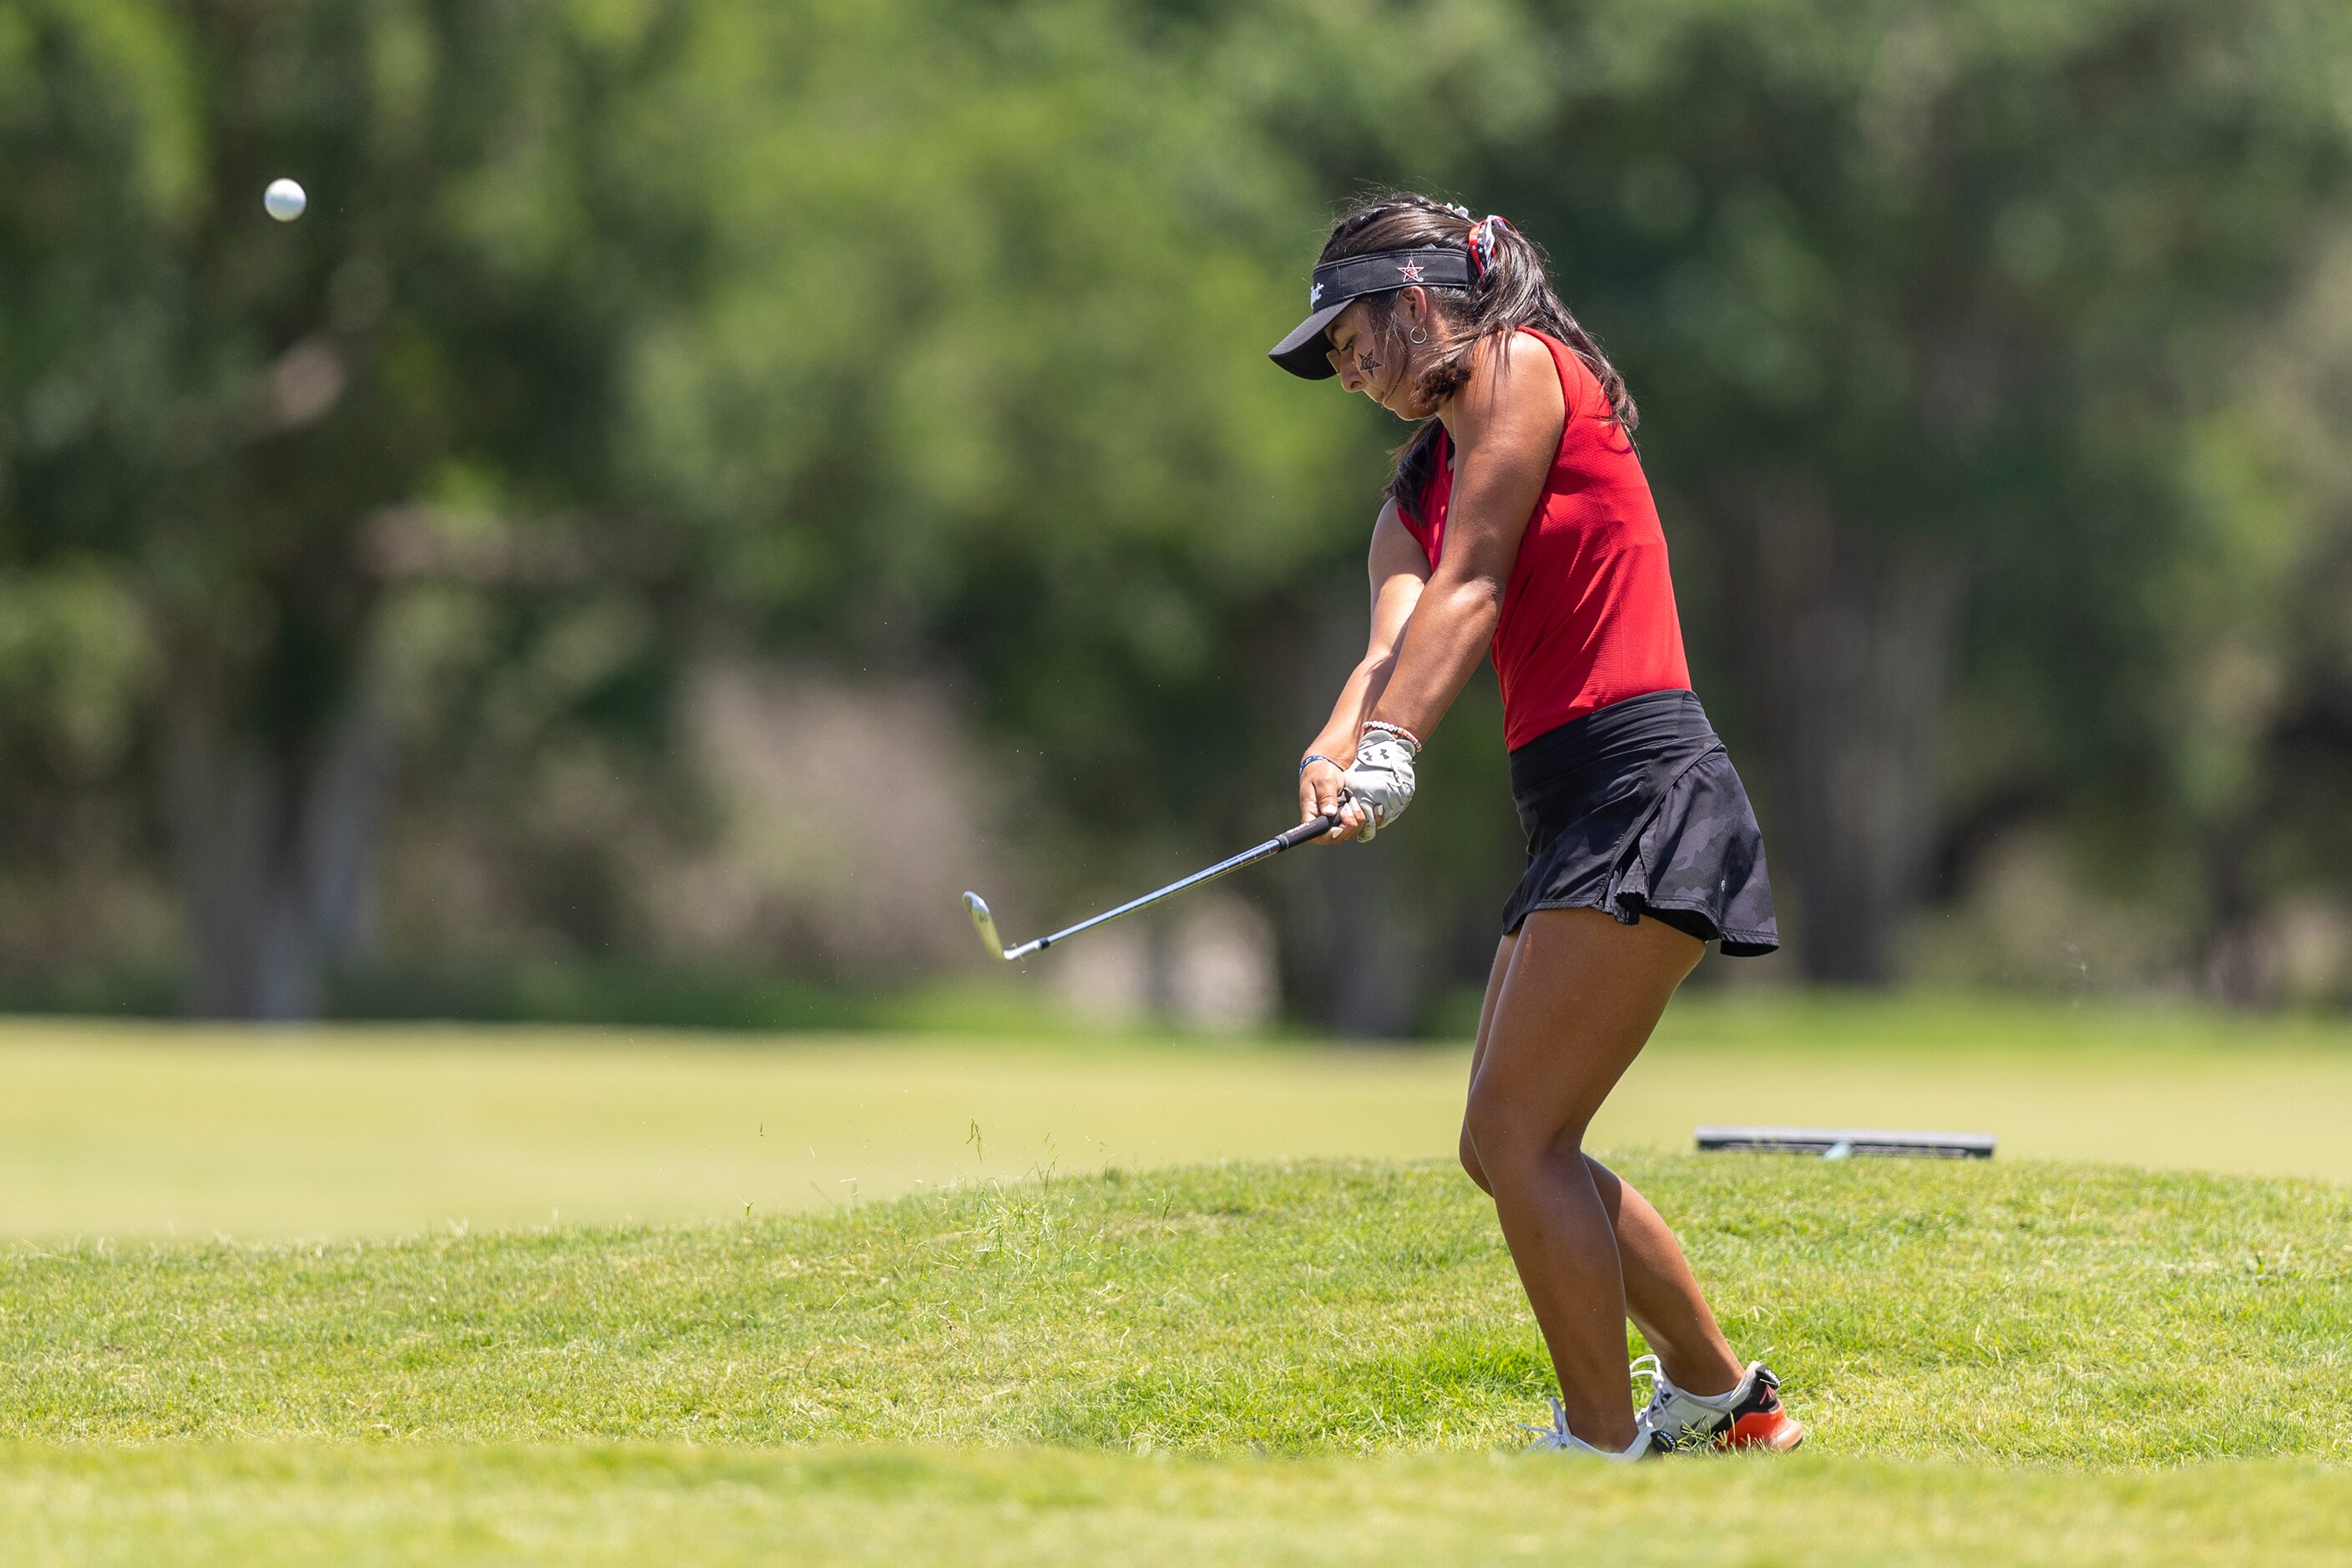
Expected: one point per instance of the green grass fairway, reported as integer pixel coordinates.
(496, 1296)
(154, 1131)
(1259, 1323)
(1919, 1309)
(260, 1506)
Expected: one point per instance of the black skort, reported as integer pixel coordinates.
(1636, 809)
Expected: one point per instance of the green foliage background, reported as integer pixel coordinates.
(1987, 353)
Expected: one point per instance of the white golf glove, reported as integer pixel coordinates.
(1381, 784)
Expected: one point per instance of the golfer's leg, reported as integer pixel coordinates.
(1662, 1296)
(1579, 999)
(1502, 966)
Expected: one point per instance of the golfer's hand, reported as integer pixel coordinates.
(1381, 784)
(1319, 796)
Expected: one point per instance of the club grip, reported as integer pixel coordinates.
(1308, 832)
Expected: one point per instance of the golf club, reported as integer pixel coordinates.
(986, 923)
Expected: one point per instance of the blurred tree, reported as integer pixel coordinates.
(896, 335)
(983, 388)
(249, 429)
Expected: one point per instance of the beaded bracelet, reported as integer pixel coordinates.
(1399, 730)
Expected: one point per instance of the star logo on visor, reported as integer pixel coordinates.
(1409, 271)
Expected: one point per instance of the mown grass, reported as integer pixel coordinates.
(148, 1130)
(1922, 1311)
(260, 1506)
(1271, 1364)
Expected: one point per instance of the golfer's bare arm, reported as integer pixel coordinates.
(1506, 426)
(1398, 569)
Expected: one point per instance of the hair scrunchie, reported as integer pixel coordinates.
(1485, 235)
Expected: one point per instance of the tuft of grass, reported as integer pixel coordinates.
(1922, 1311)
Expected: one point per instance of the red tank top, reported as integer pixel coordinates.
(1589, 613)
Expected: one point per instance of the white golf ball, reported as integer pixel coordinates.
(284, 200)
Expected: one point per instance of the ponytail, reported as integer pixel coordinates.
(1509, 291)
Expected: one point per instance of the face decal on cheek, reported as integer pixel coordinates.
(1366, 363)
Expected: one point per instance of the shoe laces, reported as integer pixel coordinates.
(1551, 1436)
(1661, 1388)
(1558, 1438)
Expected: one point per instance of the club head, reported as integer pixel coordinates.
(985, 924)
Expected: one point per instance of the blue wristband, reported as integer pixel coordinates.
(1315, 757)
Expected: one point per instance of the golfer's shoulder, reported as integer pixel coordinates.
(1514, 400)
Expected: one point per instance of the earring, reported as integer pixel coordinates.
(1419, 338)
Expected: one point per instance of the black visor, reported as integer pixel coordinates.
(1303, 352)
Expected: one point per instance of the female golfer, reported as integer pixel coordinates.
(1519, 522)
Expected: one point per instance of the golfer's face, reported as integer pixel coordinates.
(1354, 354)
(1369, 362)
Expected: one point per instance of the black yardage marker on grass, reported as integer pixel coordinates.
(1840, 1143)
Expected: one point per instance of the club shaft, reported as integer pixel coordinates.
(1266, 851)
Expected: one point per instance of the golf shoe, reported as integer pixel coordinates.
(1750, 1416)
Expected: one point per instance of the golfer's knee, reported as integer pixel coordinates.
(1478, 1171)
(1508, 1143)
